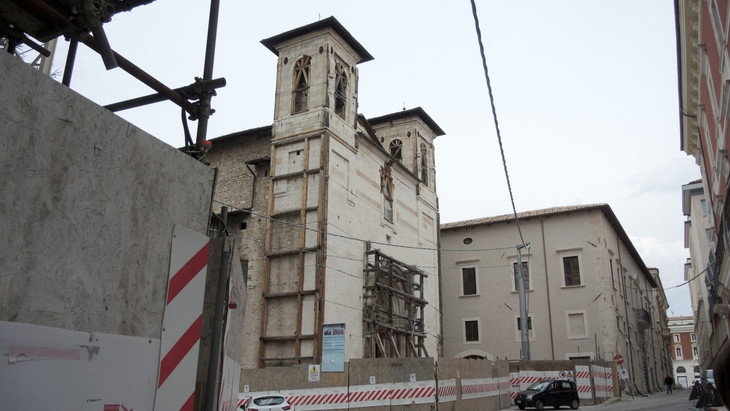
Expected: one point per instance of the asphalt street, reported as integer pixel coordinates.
(679, 400)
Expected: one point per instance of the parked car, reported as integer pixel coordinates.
(268, 403)
(553, 393)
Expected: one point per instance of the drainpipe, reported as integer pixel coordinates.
(440, 283)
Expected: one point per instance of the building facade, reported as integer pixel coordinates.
(704, 98)
(589, 294)
(698, 238)
(685, 354)
(338, 214)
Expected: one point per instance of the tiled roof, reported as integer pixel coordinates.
(546, 212)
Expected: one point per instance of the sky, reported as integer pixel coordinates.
(585, 94)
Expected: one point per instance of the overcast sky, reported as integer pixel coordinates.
(585, 92)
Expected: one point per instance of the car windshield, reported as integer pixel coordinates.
(539, 385)
(268, 400)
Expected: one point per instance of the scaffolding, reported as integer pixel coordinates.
(393, 312)
(27, 22)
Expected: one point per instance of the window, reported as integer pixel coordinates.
(676, 337)
(340, 89)
(525, 276)
(695, 352)
(621, 279)
(529, 324)
(708, 233)
(386, 187)
(300, 95)
(610, 263)
(396, 149)
(678, 352)
(577, 327)
(704, 207)
(518, 329)
(424, 164)
(468, 281)
(681, 369)
(571, 271)
(694, 337)
(471, 330)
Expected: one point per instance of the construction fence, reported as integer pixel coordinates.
(447, 384)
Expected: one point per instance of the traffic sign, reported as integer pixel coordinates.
(619, 359)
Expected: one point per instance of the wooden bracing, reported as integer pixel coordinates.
(393, 309)
(286, 242)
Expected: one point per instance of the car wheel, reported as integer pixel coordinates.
(574, 404)
(556, 406)
(540, 405)
(522, 407)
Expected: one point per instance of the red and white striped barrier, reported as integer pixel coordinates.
(361, 396)
(447, 390)
(514, 382)
(182, 321)
(483, 387)
(603, 381)
(583, 381)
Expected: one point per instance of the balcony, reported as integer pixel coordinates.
(643, 319)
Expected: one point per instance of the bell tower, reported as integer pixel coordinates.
(315, 109)
(316, 80)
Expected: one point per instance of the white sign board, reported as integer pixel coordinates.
(624, 374)
(313, 373)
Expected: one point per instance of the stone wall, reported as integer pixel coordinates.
(88, 208)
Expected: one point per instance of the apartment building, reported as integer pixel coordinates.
(589, 294)
(685, 364)
(698, 238)
(704, 100)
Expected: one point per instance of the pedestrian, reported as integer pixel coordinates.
(668, 381)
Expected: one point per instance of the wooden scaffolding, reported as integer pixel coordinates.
(393, 312)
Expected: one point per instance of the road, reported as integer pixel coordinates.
(678, 401)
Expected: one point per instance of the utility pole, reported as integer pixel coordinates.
(524, 334)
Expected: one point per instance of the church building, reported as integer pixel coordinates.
(336, 214)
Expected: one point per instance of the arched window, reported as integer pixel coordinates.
(300, 94)
(424, 164)
(681, 369)
(396, 149)
(340, 90)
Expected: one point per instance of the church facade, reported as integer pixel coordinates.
(337, 214)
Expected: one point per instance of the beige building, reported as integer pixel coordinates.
(335, 211)
(589, 294)
(698, 237)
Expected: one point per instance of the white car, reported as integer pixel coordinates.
(268, 403)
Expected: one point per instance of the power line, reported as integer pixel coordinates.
(494, 116)
(353, 238)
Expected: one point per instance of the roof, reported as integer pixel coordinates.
(548, 212)
(328, 23)
(414, 112)
(258, 131)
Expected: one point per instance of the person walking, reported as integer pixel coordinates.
(668, 381)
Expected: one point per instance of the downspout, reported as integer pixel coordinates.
(547, 288)
(440, 282)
